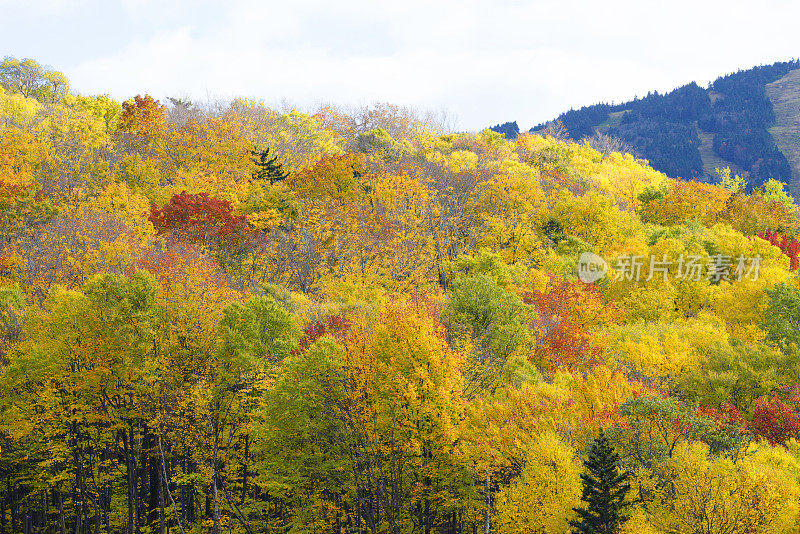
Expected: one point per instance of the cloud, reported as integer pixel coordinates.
(487, 62)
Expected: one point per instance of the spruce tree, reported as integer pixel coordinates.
(604, 491)
(268, 168)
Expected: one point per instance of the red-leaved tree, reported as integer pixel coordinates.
(775, 416)
(204, 220)
(567, 311)
(788, 246)
(333, 324)
(198, 218)
(727, 414)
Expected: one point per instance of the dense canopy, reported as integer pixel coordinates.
(235, 319)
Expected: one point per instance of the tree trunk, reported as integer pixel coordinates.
(76, 501)
(162, 528)
(143, 510)
(214, 475)
(12, 498)
(488, 497)
(217, 516)
(188, 501)
(244, 464)
(61, 522)
(132, 477)
(98, 515)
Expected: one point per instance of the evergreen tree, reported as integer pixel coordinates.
(268, 168)
(553, 229)
(604, 491)
(509, 129)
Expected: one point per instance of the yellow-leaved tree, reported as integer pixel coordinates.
(541, 499)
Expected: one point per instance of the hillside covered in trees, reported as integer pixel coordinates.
(733, 116)
(230, 318)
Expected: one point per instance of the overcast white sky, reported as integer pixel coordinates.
(485, 62)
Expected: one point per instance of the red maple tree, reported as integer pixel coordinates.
(788, 246)
(201, 219)
(566, 311)
(775, 416)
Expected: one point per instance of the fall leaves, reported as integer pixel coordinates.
(244, 320)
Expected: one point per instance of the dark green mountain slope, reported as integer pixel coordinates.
(785, 97)
(748, 120)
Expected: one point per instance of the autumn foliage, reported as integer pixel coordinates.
(564, 311)
(202, 219)
(377, 326)
(195, 218)
(789, 246)
(776, 417)
(332, 325)
(143, 116)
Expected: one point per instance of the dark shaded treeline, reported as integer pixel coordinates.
(663, 128)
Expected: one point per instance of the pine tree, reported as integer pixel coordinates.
(604, 491)
(268, 168)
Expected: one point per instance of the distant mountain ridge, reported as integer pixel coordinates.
(748, 120)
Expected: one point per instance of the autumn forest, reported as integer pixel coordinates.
(220, 317)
